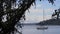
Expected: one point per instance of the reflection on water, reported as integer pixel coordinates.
(32, 29)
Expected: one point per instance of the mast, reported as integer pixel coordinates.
(43, 15)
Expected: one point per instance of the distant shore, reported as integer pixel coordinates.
(50, 22)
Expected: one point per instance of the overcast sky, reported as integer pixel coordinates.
(36, 11)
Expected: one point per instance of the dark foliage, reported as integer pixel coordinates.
(56, 13)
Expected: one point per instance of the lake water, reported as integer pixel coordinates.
(32, 29)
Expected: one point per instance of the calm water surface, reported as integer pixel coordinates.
(32, 29)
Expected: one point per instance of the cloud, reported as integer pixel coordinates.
(36, 11)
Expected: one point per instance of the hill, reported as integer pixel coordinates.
(50, 22)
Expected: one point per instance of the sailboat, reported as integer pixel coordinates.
(42, 27)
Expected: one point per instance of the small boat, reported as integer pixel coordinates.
(42, 28)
